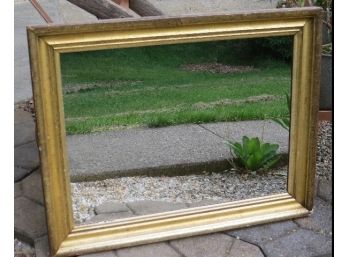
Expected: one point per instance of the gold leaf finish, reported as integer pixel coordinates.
(46, 43)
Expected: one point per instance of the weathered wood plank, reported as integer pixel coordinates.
(123, 3)
(144, 8)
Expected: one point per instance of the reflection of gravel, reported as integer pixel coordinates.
(224, 186)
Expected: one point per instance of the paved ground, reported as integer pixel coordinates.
(170, 150)
(25, 14)
(303, 237)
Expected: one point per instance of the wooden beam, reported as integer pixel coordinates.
(104, 9)
(144, 8)
(123, 3)
(41, 11)
(325, 116)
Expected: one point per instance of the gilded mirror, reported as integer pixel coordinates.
(162, 128)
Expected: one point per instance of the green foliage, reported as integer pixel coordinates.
(254, 155)
(257, 50)
(278, 47)
(148, 86)
(327, 49)
(285, 122)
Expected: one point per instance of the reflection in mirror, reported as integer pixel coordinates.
(161, 128)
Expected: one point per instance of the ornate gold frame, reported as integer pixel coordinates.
(47, 42)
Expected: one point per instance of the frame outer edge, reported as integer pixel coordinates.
(59, 216)
(35, 78)
(173, 21)
(316, 75)
(59, 224)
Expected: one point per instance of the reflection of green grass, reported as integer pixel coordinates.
(148, 87)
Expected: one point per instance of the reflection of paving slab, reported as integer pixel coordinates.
(172, 150)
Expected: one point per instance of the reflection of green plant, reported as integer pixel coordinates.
(254, 155)
(285, 122)
(327, 49)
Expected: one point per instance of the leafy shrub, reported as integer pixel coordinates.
(247, 51)
(278, 47)
(254, 155)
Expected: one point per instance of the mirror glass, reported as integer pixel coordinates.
(161, 128)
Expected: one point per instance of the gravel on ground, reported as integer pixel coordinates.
(324, 151)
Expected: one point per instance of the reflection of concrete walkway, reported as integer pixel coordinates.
(271, 240)
(174, 150)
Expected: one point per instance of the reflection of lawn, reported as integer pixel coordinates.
(144, 87)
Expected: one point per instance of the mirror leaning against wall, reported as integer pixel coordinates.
(161, 128)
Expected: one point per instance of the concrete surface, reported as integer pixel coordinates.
(25, 14)
(169, 150)
(182, 7)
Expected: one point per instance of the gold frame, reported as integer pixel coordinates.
(47, 42)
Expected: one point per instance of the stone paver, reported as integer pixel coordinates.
(20, 173)
(18, 191)
(29, 219)
(149, 207)
(27, 156)
(183, 148)
(324, 190)
(41, 247)
(24, 128)
(150, 250)
(211, 245)
(111, 207)
(32, 187)
(243, 249)
(24, 133)
(22, 116)
(301, 243)
(320, 220)
(264, 233)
